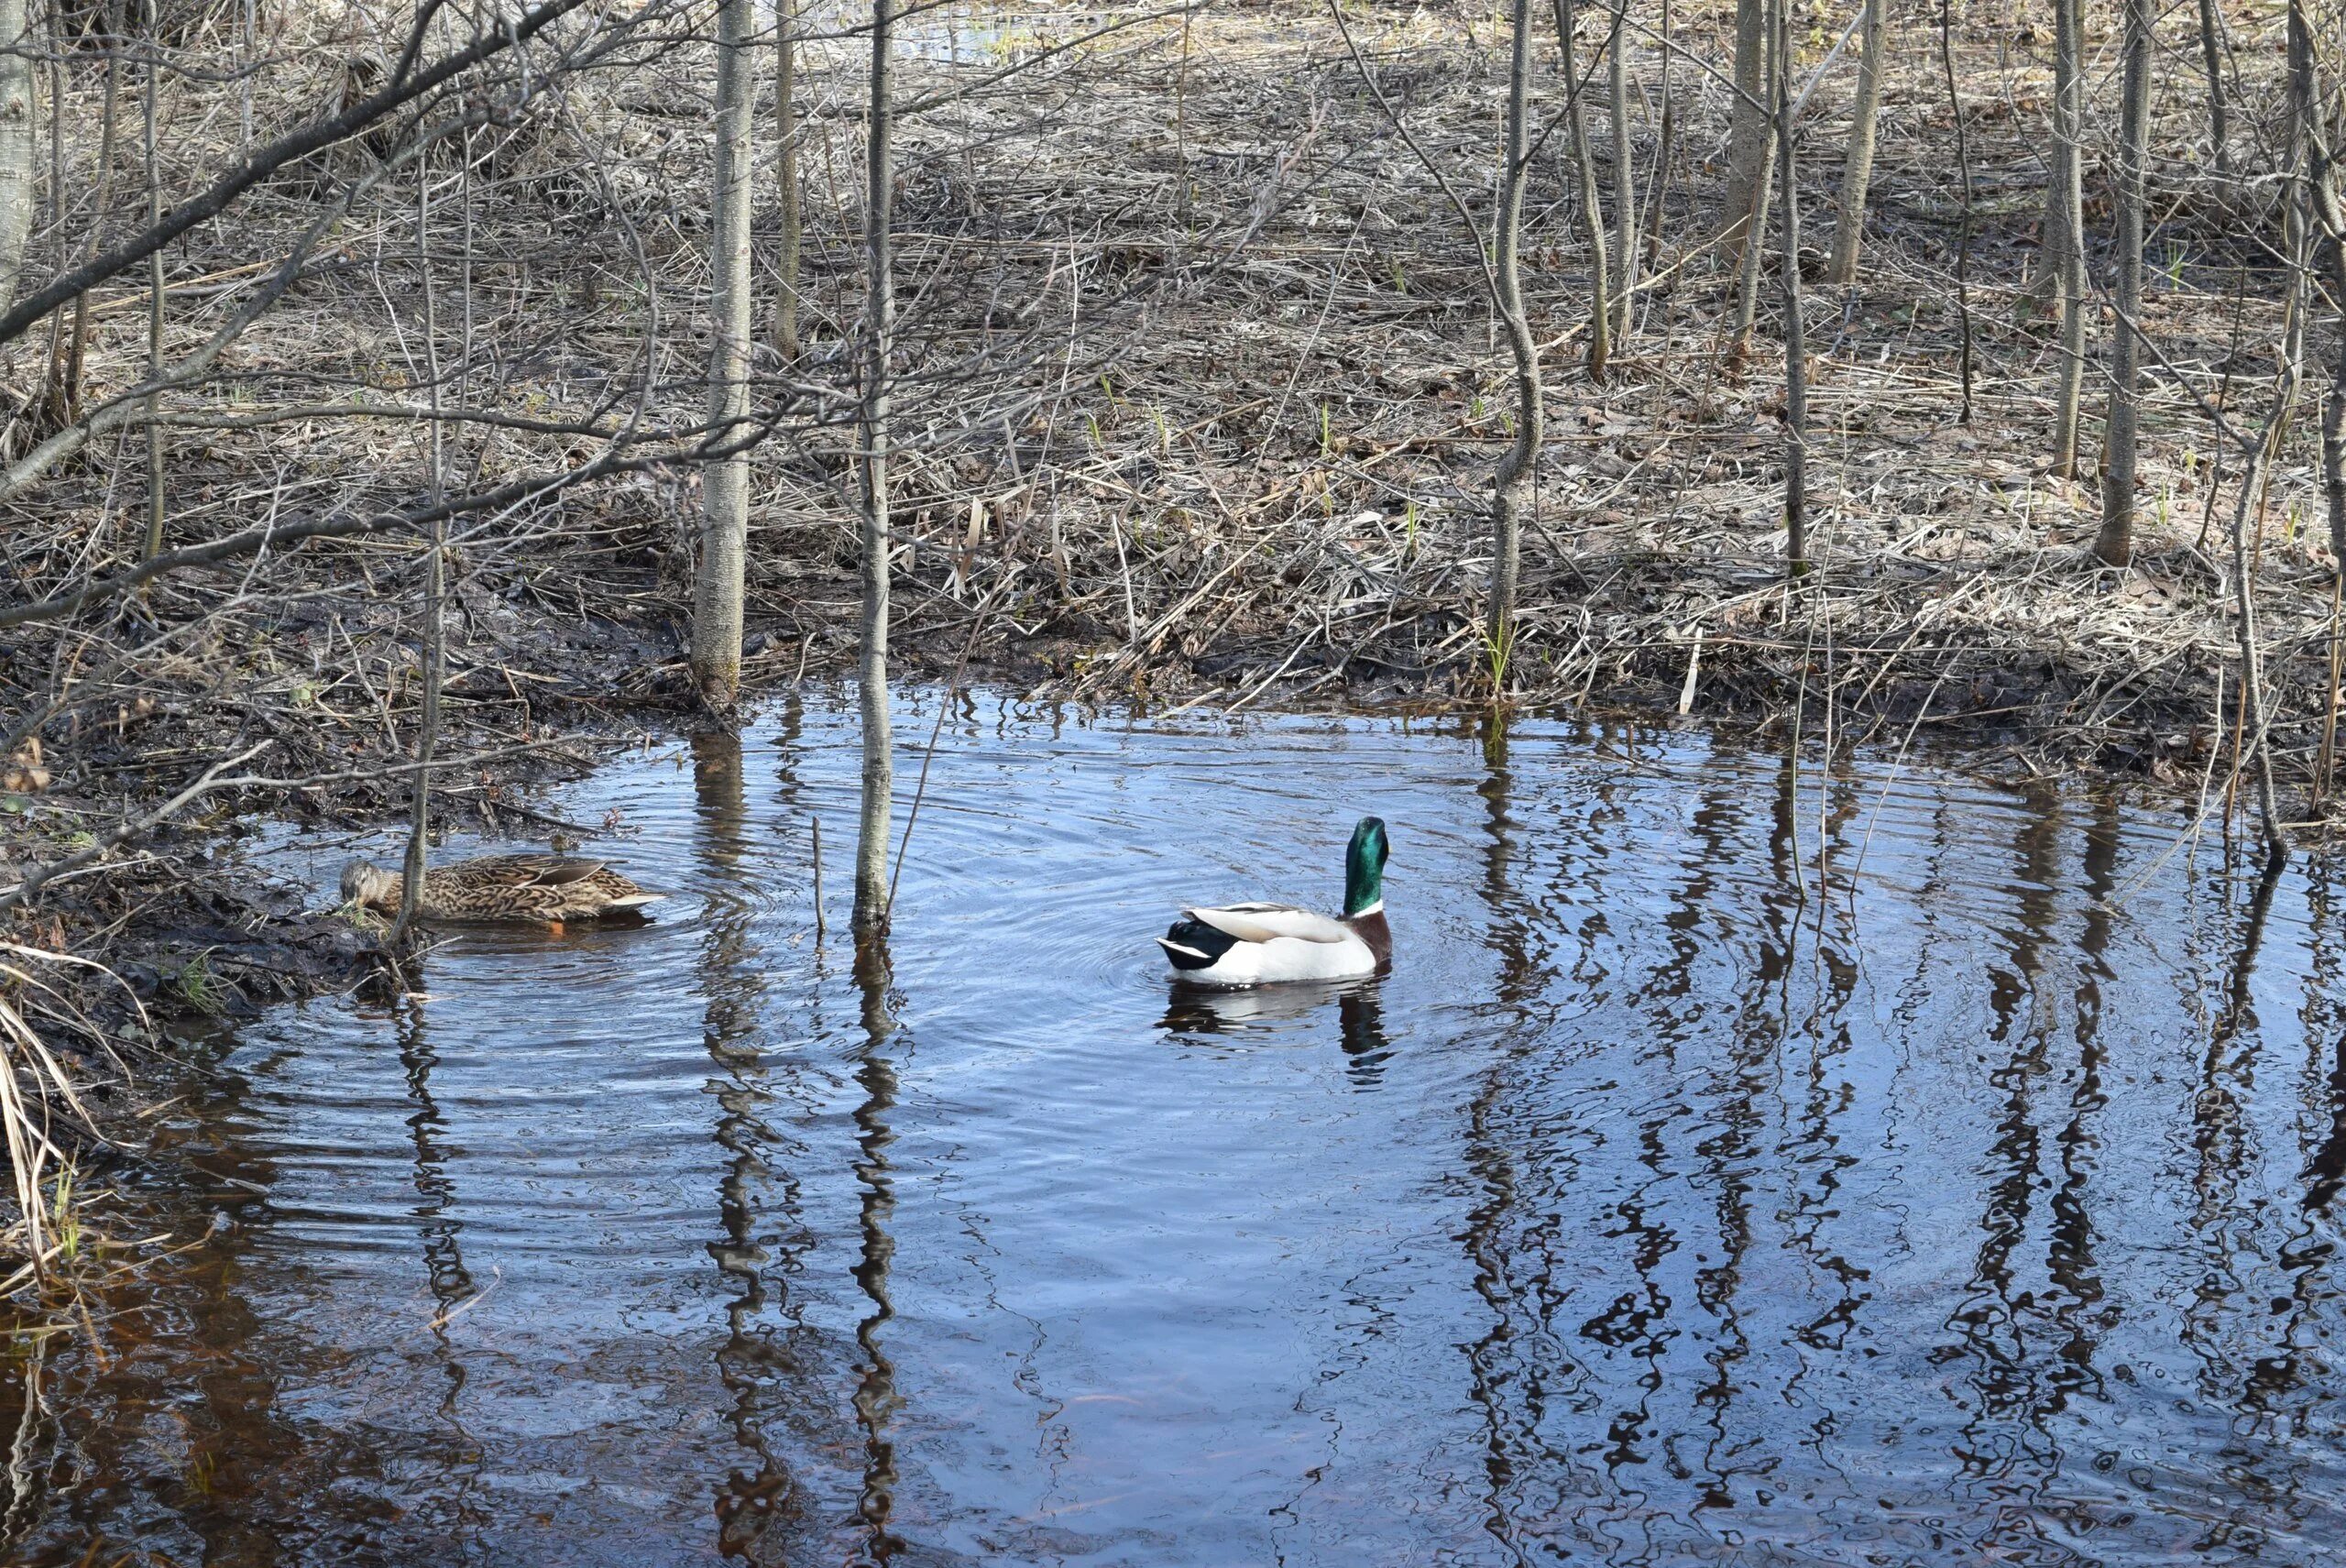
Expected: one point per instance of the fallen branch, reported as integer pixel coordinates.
(41, 876)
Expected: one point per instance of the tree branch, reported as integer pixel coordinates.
(315, 136)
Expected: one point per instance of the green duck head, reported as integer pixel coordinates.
(1364, 867)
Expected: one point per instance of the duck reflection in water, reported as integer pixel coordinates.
(1283, 1009)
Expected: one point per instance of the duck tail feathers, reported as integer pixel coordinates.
(1184, 958)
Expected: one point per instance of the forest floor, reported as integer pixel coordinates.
(1202, 399)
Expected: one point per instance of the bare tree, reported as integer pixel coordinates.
(1600, 310)
(19, 141)
(725, 478)
(2324, 202)
(2055, 226)
(1747, 283)
(2256, 719)
(1963, 233)
(153, 546)
(411, 81)
(1665, 146)
(870, 920)
(61, 389)
(1502, 273)
(2069, 268)
(785, 119)
(1512, 486)
(2212, 50)
(1795, 327)
(2320, 202)
(1625, 176)
(435, 640)
(2115, 544)
(1750, 129)
(1857, 167)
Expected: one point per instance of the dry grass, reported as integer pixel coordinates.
(39, 1091)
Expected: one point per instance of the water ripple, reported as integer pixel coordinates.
(1743, 1163)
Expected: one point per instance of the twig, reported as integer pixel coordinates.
(39, 876)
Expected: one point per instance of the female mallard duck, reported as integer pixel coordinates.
(542, 889)
(1259, 944)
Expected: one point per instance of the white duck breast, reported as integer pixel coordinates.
(1274, 942)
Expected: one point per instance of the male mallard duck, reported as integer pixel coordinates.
(542, 889)
(1257, 944)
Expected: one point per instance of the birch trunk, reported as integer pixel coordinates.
(152, 545)
(1600, 313)
(1963, 234)
(1749, 130)
(879, 329)
(2069, 257)
(435, 646)
(724, 478)
(786, 117)
(65, 407)
(1856, 168)
(2329, 227)
(2058, 226)
(1625, 178)
(2212, 50)
(1746, 286)
(1795, 326)
(2115, 546)
(19, 142)
(1513, 480)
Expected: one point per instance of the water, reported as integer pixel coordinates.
(949, 35)
(1659, 1209)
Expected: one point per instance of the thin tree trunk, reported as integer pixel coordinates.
(2333, 485)
(1795, 327)
(53, 207)
(725, 479)
(1749, 130)
(1625, 178)
(1665, 145)
(249, 62)
(2057, 227)
(1600, 312)
(2333, 457)
(2253, 722)
(2211, 49)
(2329, 225)
(1856, 168)
(20, 142)
(878, 331)
(2069, 257)
(785, 115)
(152, 545)
(1181, 126)
(427, 733)
(1963, 234)
(1746, 288)
(1514, 479)
(2115, 544)
(67, 403)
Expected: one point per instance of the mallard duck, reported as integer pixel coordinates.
(540, 889)
(1262, 944)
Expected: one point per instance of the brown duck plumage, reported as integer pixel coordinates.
(546, 889)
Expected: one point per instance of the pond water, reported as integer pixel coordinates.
(1666, 1205)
